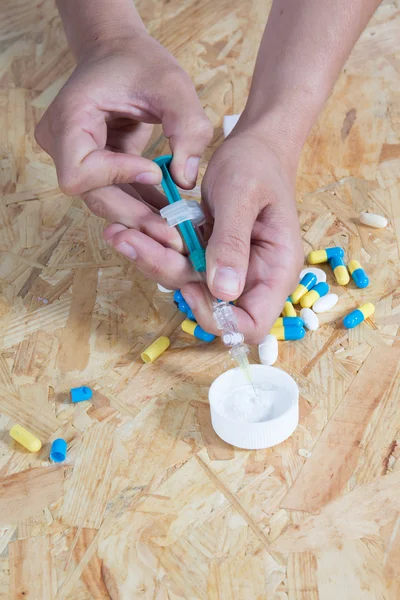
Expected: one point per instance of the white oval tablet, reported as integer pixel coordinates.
(319, 274)
(310, 319)
(163, 289)
(325, 303)
(268, 350)
(373, 220)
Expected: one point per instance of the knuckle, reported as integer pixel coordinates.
(95, 204)
(232, 242)
(202, 129)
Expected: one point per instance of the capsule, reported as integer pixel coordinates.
(190, 315)
(319, 290)
(359, 315)
(288, 309)
(358, 274)
(317, 257)
(304, 286)
(339, 270)
(155, 350)
(58, 450)
(288, 333)
(177, 297)
(25, 438)
(319, 273)
(183, 306)
(373, 220)
(192, 328)
(289, 322)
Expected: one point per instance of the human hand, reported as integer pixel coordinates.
(97, 127)
(248, 197)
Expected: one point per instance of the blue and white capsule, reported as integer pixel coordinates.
(339, 270)
(358, 274)
(359, 315)
(308, 281)
(319, 290)
(196, 331)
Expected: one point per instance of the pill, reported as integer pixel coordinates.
(310, 319)
(190, 315)
(358, 274)
(308, 281)
(163, 289)
(268, 350)
(288, 333)
(359, 315)
(80, 394)
(325, 303)
(192, 328)
(319, 273)
(339, 270)
(155, 350)
(373, 220)
(288, 309)
(319, 290)
(320, 256)
(58, 450)
(289, 321)
(177, 297)
(25, 438)
(183, 306)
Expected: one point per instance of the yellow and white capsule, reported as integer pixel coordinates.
(25, 438)
(358, 274)
(155, 350)
(359, 315)
(317, 257)
(288, 309)
(308, 281)
(339, 270)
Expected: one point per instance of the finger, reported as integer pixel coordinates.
(126, 135)
(189, 131)
(164, 265)
(114, 205)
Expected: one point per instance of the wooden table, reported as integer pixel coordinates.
(150, 504)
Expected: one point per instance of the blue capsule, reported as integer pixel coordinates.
(190, 315)
(196, 331)
(183, 306)
(81, 393)
(339, 270)
(358, 274)
(177, 297)
(58, 451)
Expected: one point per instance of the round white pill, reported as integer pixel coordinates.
(319, 274)
(325, 303)
(163, 289)
(310, 319)
(268, 350)
(373, 220)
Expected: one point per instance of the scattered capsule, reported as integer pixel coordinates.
(358, 274)
(339, 270)
(288, 322)
(319, 290)
(288, 309)
(359, 315)
(25, 438)
(288, 333)
(161, 288)
(268, 350)
(81, 394)
(155, 350)
(304, 286)
(373, 220)
(310, 319)
(325, 303)
(320, 256)
(177, 297)
(192, 328)
(319, 273)
(58, 450)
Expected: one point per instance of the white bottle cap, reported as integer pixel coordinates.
(262, 429)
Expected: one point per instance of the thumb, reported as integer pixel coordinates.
(189, 131)
(228, 248)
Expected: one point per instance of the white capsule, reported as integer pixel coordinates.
(325, 303)
(373, 220)
(268, 350)
(310, 319)
(163, 289)
(319, 274)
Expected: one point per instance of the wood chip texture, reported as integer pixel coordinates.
(150, 503)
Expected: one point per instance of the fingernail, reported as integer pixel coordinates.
(227, 281)
(191, 300)
(192, 169)
(149, 178)
(127, 250)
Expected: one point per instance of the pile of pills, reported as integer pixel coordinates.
(314, 297)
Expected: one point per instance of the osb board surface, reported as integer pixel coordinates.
(150, 504)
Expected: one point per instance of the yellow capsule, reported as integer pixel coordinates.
(188, 326)
(25, 438)
(308, 299)
(155, 350)
(367, 310)
(341, 275)
(316, 257)
(353, 266)
(288, 310)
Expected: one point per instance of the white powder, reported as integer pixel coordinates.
(240, 404)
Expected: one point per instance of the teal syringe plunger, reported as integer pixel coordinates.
(188, 215)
